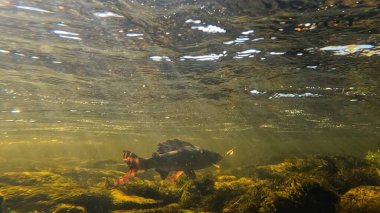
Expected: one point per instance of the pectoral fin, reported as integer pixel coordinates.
(128, 175)
(175, 175)
(163, 173)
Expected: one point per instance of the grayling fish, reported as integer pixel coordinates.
(173, 156)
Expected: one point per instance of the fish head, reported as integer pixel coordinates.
(200, 159)
(212, 157)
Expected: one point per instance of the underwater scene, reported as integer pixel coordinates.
(190, 106)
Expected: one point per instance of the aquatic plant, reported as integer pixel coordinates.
(68, 208)
(361, 199)
(256, 198)
(310, 184)
(160, 190)
(305, 195)
(374, 157)
(194, 192)
(96, 201)
(126, 201)
(340, 173)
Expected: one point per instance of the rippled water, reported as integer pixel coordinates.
(272, 79)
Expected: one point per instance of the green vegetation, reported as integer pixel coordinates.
(374, 157)
(68, 208)
(361, 199)
(314, 184)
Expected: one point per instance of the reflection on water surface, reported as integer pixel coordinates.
(272, 80)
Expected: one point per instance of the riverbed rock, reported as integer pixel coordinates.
(68, 208)
(361, 199)
(157, 190)
(309, 184)
(374, 157)
(293, 195)
(305, 195)
(124, 201)
(338, 172)
(195, 193)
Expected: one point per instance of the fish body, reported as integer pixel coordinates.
(172, 156)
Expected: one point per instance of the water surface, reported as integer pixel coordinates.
(274, 80)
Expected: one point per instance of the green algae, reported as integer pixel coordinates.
(374, 157)
(312, 184)
(196, 193)
(305, 194)
(361, 199)
(340, 173)
(68, 208)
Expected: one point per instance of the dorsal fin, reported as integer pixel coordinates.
(173, 145)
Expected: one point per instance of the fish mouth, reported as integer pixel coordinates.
(218, 158)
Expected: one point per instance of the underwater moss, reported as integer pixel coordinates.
(344, 173)
(68, 208)
(227, 188)
(123, 201)
(310, 184)
(341, 173)
(305, 195)
(44, 190)
(26, 198)
(30, 178)
(374, 157)
(292, 195)
(98, 201)
(232, 183)
(159, 190)
(195, 192)
(257, 198)
(171, 208)
(361, 199)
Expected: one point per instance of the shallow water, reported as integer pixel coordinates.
(274, 80)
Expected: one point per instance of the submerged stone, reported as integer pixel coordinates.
(124, 201)
(340, 173)
(157, 190)
(195, 192)
(311, 184)
(293, 195)
(305, 195)
(171, 208)
(99, 201)
(374, 157)
(361, 199)
(258, 198)
(67, 208)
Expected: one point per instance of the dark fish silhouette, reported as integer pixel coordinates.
(173, 156)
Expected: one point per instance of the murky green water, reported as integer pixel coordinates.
(273, 79)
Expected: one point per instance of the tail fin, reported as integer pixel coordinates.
(132, 160)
